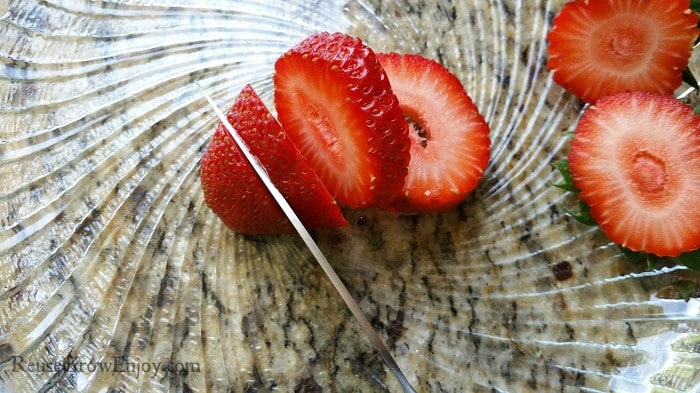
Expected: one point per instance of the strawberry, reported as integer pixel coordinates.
(449, 138)
(236, 194)
(601, 47)
(335, 102)
(635, 156)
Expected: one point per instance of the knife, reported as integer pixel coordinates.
(379, 345)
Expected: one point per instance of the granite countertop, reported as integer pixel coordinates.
(115, 275)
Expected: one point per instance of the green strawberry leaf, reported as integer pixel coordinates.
(640, 257)
(582, 214)
(685, 288)
(689, 78)
(695, 5)
(634, 256)
(690, 259)
(563, 168)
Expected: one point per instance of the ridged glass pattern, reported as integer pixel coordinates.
(114, 271)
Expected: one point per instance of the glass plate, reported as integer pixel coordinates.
(114, 273)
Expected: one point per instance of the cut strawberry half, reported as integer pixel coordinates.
(450, 146)
(636, 159)
(236, 194)
(335, 102)
(601, 47)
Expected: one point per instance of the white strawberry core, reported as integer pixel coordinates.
(321, 126)
(418, 130)
(648, 173)
(624, 45)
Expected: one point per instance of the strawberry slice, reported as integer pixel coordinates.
(635, 156)
(236, 194)
(449, 138)
(335, 102)
(601, 47)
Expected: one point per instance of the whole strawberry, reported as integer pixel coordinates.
(233, 190)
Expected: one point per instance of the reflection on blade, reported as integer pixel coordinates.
(315, 250)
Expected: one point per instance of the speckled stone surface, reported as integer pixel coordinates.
(116, 277)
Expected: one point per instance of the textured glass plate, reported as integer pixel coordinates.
(114, 274)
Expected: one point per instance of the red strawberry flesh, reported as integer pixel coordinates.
(335, 102)
(450, 139)
(636, 158)
(602, 47)
(235, 193)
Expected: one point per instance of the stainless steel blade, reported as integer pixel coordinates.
(315, 250)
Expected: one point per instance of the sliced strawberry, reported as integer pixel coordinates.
(236, 194)
(335, 102)
(636, 158)
(449, 138)
(601, 47)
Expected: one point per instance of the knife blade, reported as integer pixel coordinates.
(351, 303)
